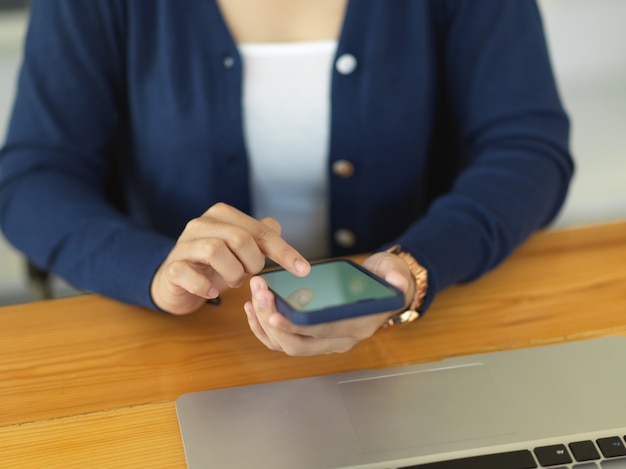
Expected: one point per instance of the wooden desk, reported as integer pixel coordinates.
(88, 382)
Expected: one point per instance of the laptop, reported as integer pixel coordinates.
(558, 406)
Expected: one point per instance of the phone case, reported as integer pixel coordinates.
(390, 303)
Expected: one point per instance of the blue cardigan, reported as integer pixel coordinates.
(128, 123)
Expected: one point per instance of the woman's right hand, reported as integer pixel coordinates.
(218, 250)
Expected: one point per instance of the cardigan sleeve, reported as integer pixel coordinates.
(513, 135)
(53, 195)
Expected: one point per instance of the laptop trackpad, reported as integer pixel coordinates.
(424, 408)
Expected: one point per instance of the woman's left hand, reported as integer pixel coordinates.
(278, 333)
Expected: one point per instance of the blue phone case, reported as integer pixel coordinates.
(335, 289)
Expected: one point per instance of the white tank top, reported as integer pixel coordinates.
(286, 108)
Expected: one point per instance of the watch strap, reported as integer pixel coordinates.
(420, 277)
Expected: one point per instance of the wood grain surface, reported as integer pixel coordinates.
(89, 382)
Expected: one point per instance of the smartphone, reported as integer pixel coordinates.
(333, 290)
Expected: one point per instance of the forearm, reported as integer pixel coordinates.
(66, 227)
(472, 229)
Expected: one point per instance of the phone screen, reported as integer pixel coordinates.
(328, 285)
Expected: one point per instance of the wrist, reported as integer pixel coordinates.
(419, 276)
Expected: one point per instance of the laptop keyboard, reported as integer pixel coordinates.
(603, 453)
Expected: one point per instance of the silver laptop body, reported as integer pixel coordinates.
(476, 411)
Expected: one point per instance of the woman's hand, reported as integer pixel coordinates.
(216, 251)
(278, 333)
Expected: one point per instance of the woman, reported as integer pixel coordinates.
(157, 149)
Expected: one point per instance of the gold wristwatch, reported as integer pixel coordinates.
(420, 275)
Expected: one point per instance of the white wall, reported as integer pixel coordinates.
(12, 30)
(587, 40)
(13, 287)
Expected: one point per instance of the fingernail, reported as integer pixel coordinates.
(214, 301)
(301, 266)
(213, 292)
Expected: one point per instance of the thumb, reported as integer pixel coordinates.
(398, 280)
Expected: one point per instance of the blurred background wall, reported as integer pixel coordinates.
(587, 42)
(13, 285)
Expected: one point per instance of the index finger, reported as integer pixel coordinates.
(266, 234)
(280, 251)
